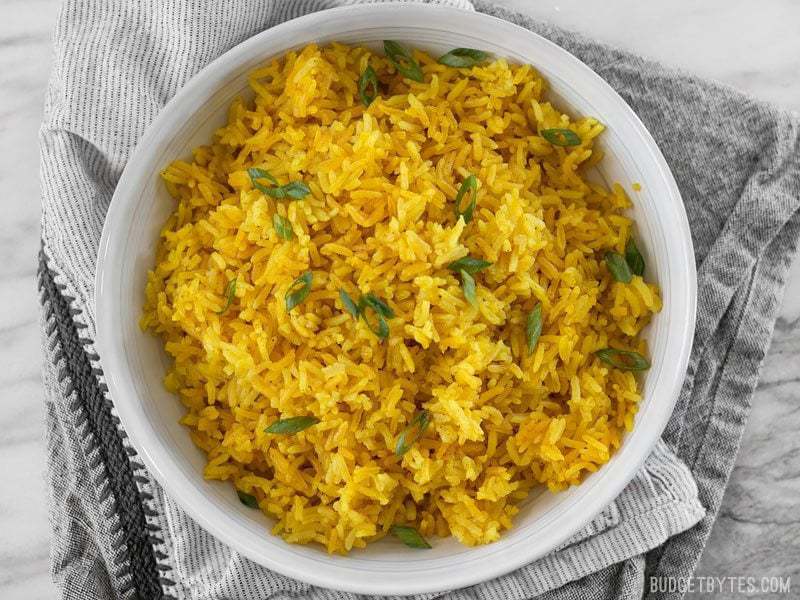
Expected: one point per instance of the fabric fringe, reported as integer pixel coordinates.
(140, 569)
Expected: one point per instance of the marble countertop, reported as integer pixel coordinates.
(753, 46)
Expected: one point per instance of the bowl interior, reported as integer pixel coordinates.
(134, 362)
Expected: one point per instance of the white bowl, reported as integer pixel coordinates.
(134, 362)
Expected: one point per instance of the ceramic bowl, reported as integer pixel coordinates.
(134, 363)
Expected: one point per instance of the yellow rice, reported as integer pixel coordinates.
(380, 219)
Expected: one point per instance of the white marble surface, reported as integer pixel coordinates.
(753, 46)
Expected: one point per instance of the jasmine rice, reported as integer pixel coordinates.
(388, 301)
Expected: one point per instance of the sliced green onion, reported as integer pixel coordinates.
(463, 57)
(626, 360)
(634, 258)
(230, 294)
(413, 432)
(283, 227)
(380, 327)
(468, 285)
(618, 267)
(298, 291)
(255, 173)
(294, 190)
(368, 79)
(533, 327)
(468, 188)
(349, 305)
(291, 425)
(247, 499)
(403, 61)
(467, 267)
(382, 312)
(561, 137)
(410, 537)
(377, 304)
(469, 264)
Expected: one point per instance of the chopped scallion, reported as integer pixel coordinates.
(403, 61)
(625, 360)
(294, 190)
(463, 57)
(561, 137)
(533, 327)
(410, 537)
(369, 302)
(255, 174)
(298, 291)
(230, 294)
(381, 311)
(247, 499)
(618, 266)
(413, 432)
(349, 305)
(379, 305)
(634, 258)
(368, 81)
(468, 285)
(469, 264)
(283, 227)
(291, 425)
(468, 188)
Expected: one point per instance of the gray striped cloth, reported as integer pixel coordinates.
(115, 532)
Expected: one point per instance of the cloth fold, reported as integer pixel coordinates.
(117, 534)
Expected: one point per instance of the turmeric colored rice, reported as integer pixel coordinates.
(379, 218)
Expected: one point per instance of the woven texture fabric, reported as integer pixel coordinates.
(116, 534)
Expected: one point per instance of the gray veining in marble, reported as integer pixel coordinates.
(753, 46)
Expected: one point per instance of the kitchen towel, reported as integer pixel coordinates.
(116, 534)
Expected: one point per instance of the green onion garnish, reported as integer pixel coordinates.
(291, 425)
(368, 79)
(247, 499)
(410, 537)
(283, 227)
(377, 304)
(468, 285)
(403, 61)
(469, 264)
(467, 267)
(380, 327)
(626, 360)
(298, 291)
(469, 187)
(382, 312)
(230, 294)
(463, 57)
(294, 190)
(533, 327)
(618, 266)
(413, 432)
(634, 258)
(561, 137)
(348, 303)
(255, 173)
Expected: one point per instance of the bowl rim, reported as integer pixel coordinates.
(209, 516)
